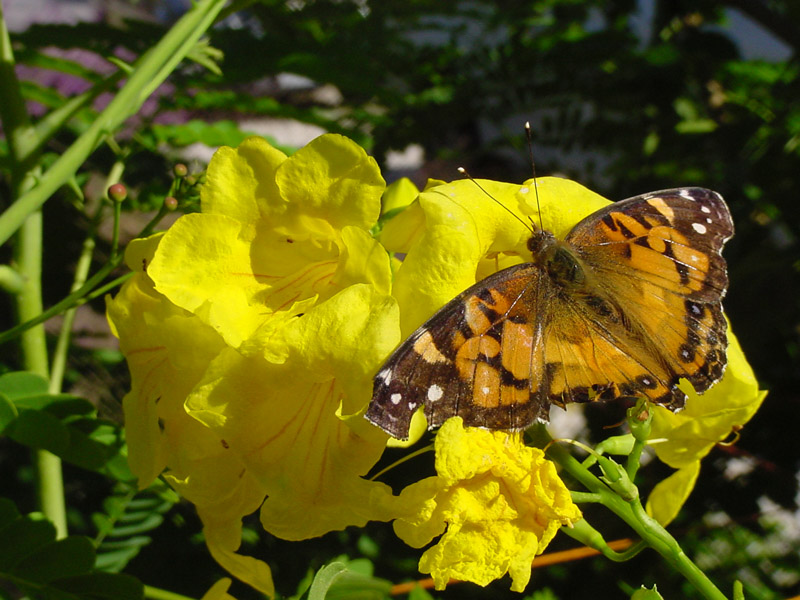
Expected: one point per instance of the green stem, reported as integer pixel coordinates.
(632, 512)
(28, 260)
(87, 291)
(66, 303)
(587, 535)
(634, 459)
(159, 594)
(150, 71)
(81, 273)
(10, 280)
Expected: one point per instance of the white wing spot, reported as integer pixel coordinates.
(395, 398)
(686, 194)
(699, 227)
(386, 376)
(412, 405)
(708, 220)
(435, 393)
(524, 189)
(485, 390)
(705, 209)
(693, 258)
(646, 381)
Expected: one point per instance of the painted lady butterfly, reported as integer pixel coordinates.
(625, 306)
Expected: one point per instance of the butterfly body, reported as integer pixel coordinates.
(625, 306)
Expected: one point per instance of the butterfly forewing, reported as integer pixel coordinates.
(659, 256)
(478, 357)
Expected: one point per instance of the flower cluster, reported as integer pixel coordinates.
(253, 328)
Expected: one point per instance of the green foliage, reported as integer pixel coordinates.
(128, 516)
(33, 562)
(63, 424)
(345, 578)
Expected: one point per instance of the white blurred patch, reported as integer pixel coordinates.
(567, 424)
(409, 159)
(738, 466)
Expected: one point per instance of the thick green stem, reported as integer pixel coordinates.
(150, 71)
(28, 261)
(632, 512)
(28, 256)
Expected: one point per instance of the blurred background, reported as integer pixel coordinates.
(625, 96)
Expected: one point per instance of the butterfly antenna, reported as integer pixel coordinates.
(529, 137)
(463, 171)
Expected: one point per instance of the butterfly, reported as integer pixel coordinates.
(626, 305)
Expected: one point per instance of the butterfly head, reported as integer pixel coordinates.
(557, 259)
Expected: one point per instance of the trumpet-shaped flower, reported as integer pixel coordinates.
(495, 502)
(252, 330)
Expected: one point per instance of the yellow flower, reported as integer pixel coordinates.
(455, 235)
(683, 439)
(252, 330)
(495, 502)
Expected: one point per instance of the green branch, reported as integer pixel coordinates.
(149, 72)
(631, 511)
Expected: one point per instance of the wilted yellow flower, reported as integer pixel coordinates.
(495, 502)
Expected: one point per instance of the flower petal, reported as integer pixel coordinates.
(289, 434)
(333, 178)
(669, 495)
(240, 182)
(398, 195)
(680, 439)
(496, 502)
(167, 349)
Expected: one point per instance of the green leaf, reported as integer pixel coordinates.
(348, 580)
(39, 429)
(21, 384)
(8, 412)
(219, 133)
(129, 514)
(324, 579)
(60, 405)
(419, 593)
(103, 585)
(42, 567)
(21, 538)
(62, 558)
(543, 594)
(8, 512)
(644, 594)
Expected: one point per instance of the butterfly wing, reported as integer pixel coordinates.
(476, 358)
(657, 259)
(648, 314)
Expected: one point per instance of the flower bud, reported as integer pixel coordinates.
(118, 192)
